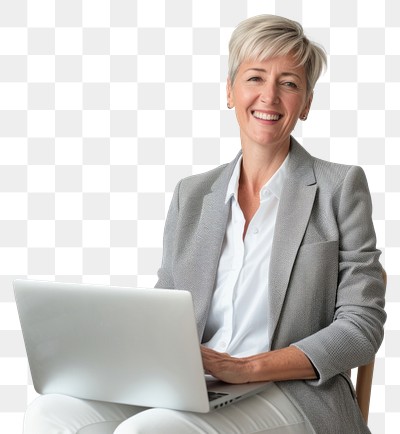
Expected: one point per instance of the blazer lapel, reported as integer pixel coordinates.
(294, 211)
(209, 239)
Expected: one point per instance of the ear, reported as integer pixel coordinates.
(229, 94)
(307, 105)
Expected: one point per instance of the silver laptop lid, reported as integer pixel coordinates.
(127, 345)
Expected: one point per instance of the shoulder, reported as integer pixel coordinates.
(203, 180)
(341, 186)
(197, 186)
(329, 176)
(330, 172)
(335, 176)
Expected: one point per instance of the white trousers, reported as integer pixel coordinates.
(268, 412)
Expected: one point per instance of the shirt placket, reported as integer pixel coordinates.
(237, 263)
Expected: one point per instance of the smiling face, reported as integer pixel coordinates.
(269, 97)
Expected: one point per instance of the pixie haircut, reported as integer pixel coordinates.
(266, 36)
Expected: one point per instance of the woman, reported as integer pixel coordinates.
(278, 250)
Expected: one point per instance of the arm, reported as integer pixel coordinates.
(165, 278)
(279, 365)
(355, 334)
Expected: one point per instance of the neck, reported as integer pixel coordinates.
(259, 165)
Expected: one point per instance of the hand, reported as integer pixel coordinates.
(279, 365)
(225, 367)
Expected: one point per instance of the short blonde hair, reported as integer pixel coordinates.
(266, 36)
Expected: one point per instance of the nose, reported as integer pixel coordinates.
(270, 94)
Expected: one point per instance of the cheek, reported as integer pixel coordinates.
(299, 104)
(243, 97)
(295, 108)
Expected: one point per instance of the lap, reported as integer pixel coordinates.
(50, 413)
(268, 412)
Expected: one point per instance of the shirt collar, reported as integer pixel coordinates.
(274, 185)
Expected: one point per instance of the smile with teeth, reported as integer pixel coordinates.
(266, 116)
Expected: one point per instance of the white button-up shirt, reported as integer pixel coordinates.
(237, 321)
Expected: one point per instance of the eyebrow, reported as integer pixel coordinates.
(285, 74)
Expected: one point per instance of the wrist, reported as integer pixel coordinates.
(257, 367)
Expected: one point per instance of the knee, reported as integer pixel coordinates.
(153, 421)
(41, 415)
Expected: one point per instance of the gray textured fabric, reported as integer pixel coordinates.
(326, 286)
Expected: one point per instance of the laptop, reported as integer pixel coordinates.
(126, 345)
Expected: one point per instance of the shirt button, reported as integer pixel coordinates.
(256, 230)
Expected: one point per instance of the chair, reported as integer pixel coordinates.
(363, 387)
(364, 380)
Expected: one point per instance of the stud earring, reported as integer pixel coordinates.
(229, 107)
(304, 118)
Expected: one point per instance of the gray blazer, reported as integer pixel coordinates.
(326, 292)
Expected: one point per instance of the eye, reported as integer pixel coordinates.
(255, 78)
(290, 84)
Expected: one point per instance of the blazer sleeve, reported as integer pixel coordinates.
(165, 275)
(356, 332)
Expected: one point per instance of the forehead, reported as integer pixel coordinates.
(282, 64)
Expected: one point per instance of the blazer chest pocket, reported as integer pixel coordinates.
(314, 280)
(318, 254)
(317, 264)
